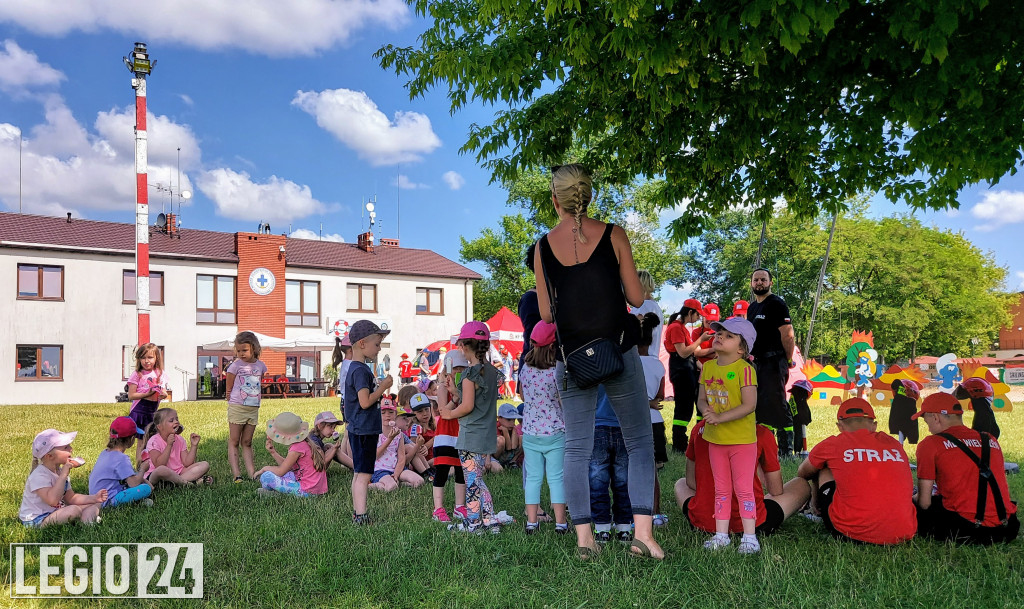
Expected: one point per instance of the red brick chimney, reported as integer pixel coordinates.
(365, 241)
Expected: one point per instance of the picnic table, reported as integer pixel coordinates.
(285, 387)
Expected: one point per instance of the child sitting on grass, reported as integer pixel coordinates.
(113, 470)
(323, 433)
(168, 460)
(304, 471)
(48, 498)
(389, 469)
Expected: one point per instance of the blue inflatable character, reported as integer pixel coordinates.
(949, 373)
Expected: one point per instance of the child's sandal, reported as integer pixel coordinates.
(239, 479)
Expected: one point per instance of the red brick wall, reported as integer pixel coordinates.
(263, 314)
(1012, 338)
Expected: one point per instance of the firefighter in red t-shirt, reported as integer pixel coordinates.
(944, 467)
(696, 492)
(405, 370)
(863, 479)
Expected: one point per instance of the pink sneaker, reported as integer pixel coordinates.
(441, 515)
(461, 513)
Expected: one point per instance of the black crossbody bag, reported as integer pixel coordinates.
(594, 362)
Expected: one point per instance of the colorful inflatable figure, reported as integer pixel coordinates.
(981, 395)
(905, 394)
(861, 361)
(949, 373)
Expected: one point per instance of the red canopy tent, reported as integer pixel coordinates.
(506, 331)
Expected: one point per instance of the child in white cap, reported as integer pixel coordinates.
(48, 498)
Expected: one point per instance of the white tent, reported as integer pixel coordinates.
(313, 342)
(266, 342)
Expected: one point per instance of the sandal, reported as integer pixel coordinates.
(239, 479)
(207, 480)
(640, 549)
(587, 553)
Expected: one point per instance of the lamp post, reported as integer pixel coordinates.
(139, 65)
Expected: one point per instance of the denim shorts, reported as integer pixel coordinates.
(36, 522)
(380, 473)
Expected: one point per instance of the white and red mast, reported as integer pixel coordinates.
(139, 65)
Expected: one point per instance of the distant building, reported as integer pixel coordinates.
(1011, 338)
(69, 321)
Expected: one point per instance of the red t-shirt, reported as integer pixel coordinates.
(956, 476)
(405, 369)
(874, 486)
(701, 509)
(704, 345)
(676, 332)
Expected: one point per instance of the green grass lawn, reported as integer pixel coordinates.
(285, 551)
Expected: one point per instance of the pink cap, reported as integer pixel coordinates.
(475, 329)
(543, 333)
(48, 439)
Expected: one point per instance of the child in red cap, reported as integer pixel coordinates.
(113, 470)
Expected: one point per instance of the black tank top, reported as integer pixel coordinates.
(589, 299)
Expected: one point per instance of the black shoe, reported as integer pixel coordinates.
(561, 530)
(624, 536)
(532, 527)
(603, 536)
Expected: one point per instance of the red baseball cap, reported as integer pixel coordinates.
(123, 427)
(693, 303)
(711, 312)
(939, 403)
(855, 407)
(740, 307)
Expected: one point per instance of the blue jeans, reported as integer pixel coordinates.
(609, 464)
(628, 395)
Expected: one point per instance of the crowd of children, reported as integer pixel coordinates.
(453, 427)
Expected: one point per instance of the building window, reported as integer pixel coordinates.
(39, 363)
(215, 299)
(156, 287)
(302, 303)
(429, 301)
(362, 297)
(37, 282)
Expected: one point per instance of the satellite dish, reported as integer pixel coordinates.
(161, 221)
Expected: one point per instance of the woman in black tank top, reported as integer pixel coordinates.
(592, 275)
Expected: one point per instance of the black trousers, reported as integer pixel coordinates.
(683, 375)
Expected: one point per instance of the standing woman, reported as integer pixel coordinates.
(590, 267)
(682, 367)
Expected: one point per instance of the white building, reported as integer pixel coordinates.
(69, 319)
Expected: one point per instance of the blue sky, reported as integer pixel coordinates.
(282, 115)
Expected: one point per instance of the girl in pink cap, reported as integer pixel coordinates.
(48, 498)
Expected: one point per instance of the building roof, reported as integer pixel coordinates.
(91, 236)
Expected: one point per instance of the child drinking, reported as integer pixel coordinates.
(245, 379)
(446, 456)
(169, 461)
(543, 428)
(113, 470)
(324, 432)
(389, 469)
(304, 471)
(48, 498)
(362, 412)
(146, 386)
(726, 399)
(477, 420)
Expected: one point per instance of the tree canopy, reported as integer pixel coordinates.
(807, 101)
(920, 290)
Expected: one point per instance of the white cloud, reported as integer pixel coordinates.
(21, 69)
(403, 182)
(999, 207)
(67, 167)
(265, 27)
(353, 118)
(277, 200)
(187, 99)
(454, 180)
(305, 233)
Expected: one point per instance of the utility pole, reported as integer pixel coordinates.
(817, 296)
(140, 66)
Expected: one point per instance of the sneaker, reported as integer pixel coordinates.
(532, 527)
(361, 519)
(460, 513)
(602, 536)
(660, 520)
(441, 515)
(624, 536)
(147, 502)
(749, 545)
(561, 529)
(720, 540)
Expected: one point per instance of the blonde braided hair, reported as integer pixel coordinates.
(572, 187)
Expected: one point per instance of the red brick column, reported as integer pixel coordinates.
(256, 312)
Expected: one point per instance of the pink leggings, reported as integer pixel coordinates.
(733, 467)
